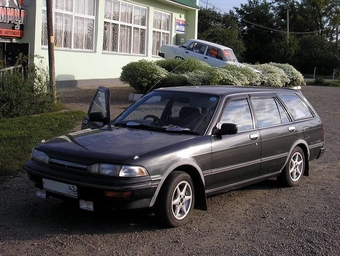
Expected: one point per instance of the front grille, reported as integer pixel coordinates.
(67, 165)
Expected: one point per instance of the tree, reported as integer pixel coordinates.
(220, 28)
(258, 29)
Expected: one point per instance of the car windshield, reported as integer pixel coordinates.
(170, 111)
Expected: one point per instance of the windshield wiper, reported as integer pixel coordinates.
(134, 124)
(179, 129)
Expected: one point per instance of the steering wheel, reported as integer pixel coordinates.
(156, 119)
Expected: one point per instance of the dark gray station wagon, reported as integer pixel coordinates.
(176, 146)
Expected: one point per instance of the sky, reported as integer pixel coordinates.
(222, 5)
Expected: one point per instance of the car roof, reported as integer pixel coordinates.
(211, 44)
(226, 89)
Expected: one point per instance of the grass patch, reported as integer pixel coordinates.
(19, 135)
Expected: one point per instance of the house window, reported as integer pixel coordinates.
(161, 30)
(124, 27)
(73, 24)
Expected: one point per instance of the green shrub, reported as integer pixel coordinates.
(191, 64)
(295, 77)
(244, 75)
(173, 79)
(272, 76)
(142, 75)
(23, 91)
(170, 65)
(198, 77)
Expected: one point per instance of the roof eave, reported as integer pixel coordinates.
(179, 5)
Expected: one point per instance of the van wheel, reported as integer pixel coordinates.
(294, 169)
(176, 200)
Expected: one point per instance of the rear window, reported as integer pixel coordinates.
(296, 106)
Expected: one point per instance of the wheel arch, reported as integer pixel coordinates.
(198, 182)
(304, 146)
(305, 150)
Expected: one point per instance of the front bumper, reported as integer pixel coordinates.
(102, 191)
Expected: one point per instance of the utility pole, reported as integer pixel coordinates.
(287, 24)
(337, 38)
(51, 62)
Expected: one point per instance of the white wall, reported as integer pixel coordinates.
(80, 65)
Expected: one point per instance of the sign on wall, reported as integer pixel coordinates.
(180, 26)
(12, 18)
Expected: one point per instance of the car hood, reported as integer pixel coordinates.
(118, 144)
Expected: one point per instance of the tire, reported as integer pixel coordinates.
(176, 200)
(294, 169)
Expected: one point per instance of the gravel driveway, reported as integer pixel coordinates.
(263, 219)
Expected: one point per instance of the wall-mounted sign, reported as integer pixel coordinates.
(12, 18)
(180, 26)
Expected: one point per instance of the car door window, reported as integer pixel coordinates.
(238, 112)
(296, 106)
(268, 112)
(214, 53)
(197, 47)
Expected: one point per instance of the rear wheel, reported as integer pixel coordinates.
(176, 200)
(294, 169)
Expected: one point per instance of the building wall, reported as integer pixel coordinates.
(78, 68)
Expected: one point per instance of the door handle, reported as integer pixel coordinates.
(291, 128)
(206, 58)
(254, 136)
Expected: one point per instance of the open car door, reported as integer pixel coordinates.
(98, 114)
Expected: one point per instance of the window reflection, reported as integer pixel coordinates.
(238, 112)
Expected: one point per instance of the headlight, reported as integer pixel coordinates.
(118, 170)
(40, 156)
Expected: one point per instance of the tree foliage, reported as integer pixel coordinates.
(221, 29)
(302, 33)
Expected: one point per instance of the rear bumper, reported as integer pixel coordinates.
(322, 151)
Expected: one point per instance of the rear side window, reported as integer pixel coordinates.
(296, 106)
(238, 112)
(269, 112)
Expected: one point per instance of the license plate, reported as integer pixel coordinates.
(60, 188)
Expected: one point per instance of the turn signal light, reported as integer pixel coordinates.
(115, 194)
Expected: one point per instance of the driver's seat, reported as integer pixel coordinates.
(187, 115)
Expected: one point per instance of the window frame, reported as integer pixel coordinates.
(126, 27)
(160, 35)
(69, 10)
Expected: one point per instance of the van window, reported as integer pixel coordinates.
(296, 106)
(238, 112)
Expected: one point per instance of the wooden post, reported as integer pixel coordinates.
(51, 63)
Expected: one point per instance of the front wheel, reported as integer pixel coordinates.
(294, 169)
(176, 200)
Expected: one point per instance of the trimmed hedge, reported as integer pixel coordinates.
(144, 75)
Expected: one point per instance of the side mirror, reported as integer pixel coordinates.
(226, 128)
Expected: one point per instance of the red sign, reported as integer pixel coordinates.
(12, 20)
(11, 33)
